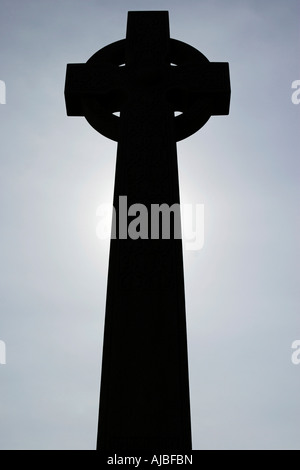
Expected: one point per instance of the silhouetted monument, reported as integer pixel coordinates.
(144, 398)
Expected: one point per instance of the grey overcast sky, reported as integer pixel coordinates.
(242, 287)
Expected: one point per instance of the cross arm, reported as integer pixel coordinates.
(205, 85)
(99, 82)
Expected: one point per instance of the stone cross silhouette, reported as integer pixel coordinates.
(144, 397)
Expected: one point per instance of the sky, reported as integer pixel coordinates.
(242, 287)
